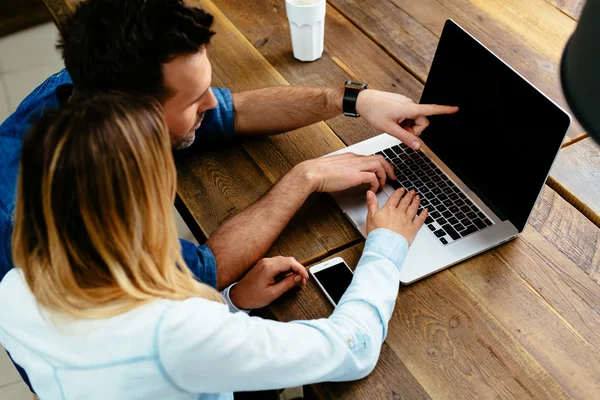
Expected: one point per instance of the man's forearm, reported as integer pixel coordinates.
(281, 109)
(244, 239)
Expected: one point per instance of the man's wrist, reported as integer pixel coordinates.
(301, 178)
(361, 101)
(334, 99)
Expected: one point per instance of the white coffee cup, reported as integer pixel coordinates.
(307, 27)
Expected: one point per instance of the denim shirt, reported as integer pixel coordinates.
(200, 349)
(217, 124)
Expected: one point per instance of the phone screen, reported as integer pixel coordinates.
(335, 280)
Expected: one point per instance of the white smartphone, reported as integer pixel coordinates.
(333, 277)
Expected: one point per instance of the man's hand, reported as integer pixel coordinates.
(398, 115)
(343, 171)
(259, 288)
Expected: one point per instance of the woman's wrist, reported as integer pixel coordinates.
(231, 297)
(388, 244)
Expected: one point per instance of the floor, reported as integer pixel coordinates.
(20, 73)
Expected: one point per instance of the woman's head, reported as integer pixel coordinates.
(94, 230)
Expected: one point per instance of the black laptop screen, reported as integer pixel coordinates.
(506, 135)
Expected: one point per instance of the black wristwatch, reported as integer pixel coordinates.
(351, 92)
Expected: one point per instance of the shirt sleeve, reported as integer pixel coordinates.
(232, 307)
(201, 261)
(218, 123)
(203, 348)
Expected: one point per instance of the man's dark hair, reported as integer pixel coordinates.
(122, 44)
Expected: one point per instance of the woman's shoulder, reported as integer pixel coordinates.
(17, 303)
(14, 284)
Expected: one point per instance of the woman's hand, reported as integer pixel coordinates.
(398, 214)
(259, 288)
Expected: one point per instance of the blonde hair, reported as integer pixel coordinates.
(94, 230)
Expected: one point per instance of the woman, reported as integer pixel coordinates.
(108, 309)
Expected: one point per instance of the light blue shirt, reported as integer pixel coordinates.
(199, 349)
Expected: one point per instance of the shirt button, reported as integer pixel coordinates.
(349, 340)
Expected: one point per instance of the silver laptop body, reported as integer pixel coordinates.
(480, 228)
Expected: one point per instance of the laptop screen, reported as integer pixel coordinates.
(506, 135)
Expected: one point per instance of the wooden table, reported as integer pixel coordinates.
(519, 321)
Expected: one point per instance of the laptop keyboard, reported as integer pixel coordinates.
(452, 215)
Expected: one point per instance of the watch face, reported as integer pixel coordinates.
(356, 85)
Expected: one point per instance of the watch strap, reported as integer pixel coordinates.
(351, 92)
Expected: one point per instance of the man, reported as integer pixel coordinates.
(159, 49)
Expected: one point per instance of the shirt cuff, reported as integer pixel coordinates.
(388, 244)
(232, 307)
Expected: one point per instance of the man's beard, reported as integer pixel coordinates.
(186, 142)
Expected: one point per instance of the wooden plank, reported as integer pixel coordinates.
(572, 8)
(555, 344)
(563, 284)
(536, 22)
(409, 31)
(543, 298)
(221, 181)
(457, 349)
(576, 177)
(348, 54)
(569, 231)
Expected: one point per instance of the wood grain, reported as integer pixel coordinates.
(572, 8)
(576, 177)
(539, 24)
(553, 342)
(457, 349)
(409, 31)
(569, 231)
(558, 280)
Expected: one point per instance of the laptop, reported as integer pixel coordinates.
(481, 170)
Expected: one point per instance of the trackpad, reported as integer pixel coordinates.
(359, 191)
(355, 206)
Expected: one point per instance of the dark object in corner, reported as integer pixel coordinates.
(580, 70)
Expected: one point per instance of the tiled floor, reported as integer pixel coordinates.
(27, 58)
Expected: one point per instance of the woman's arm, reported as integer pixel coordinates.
(203, 348)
